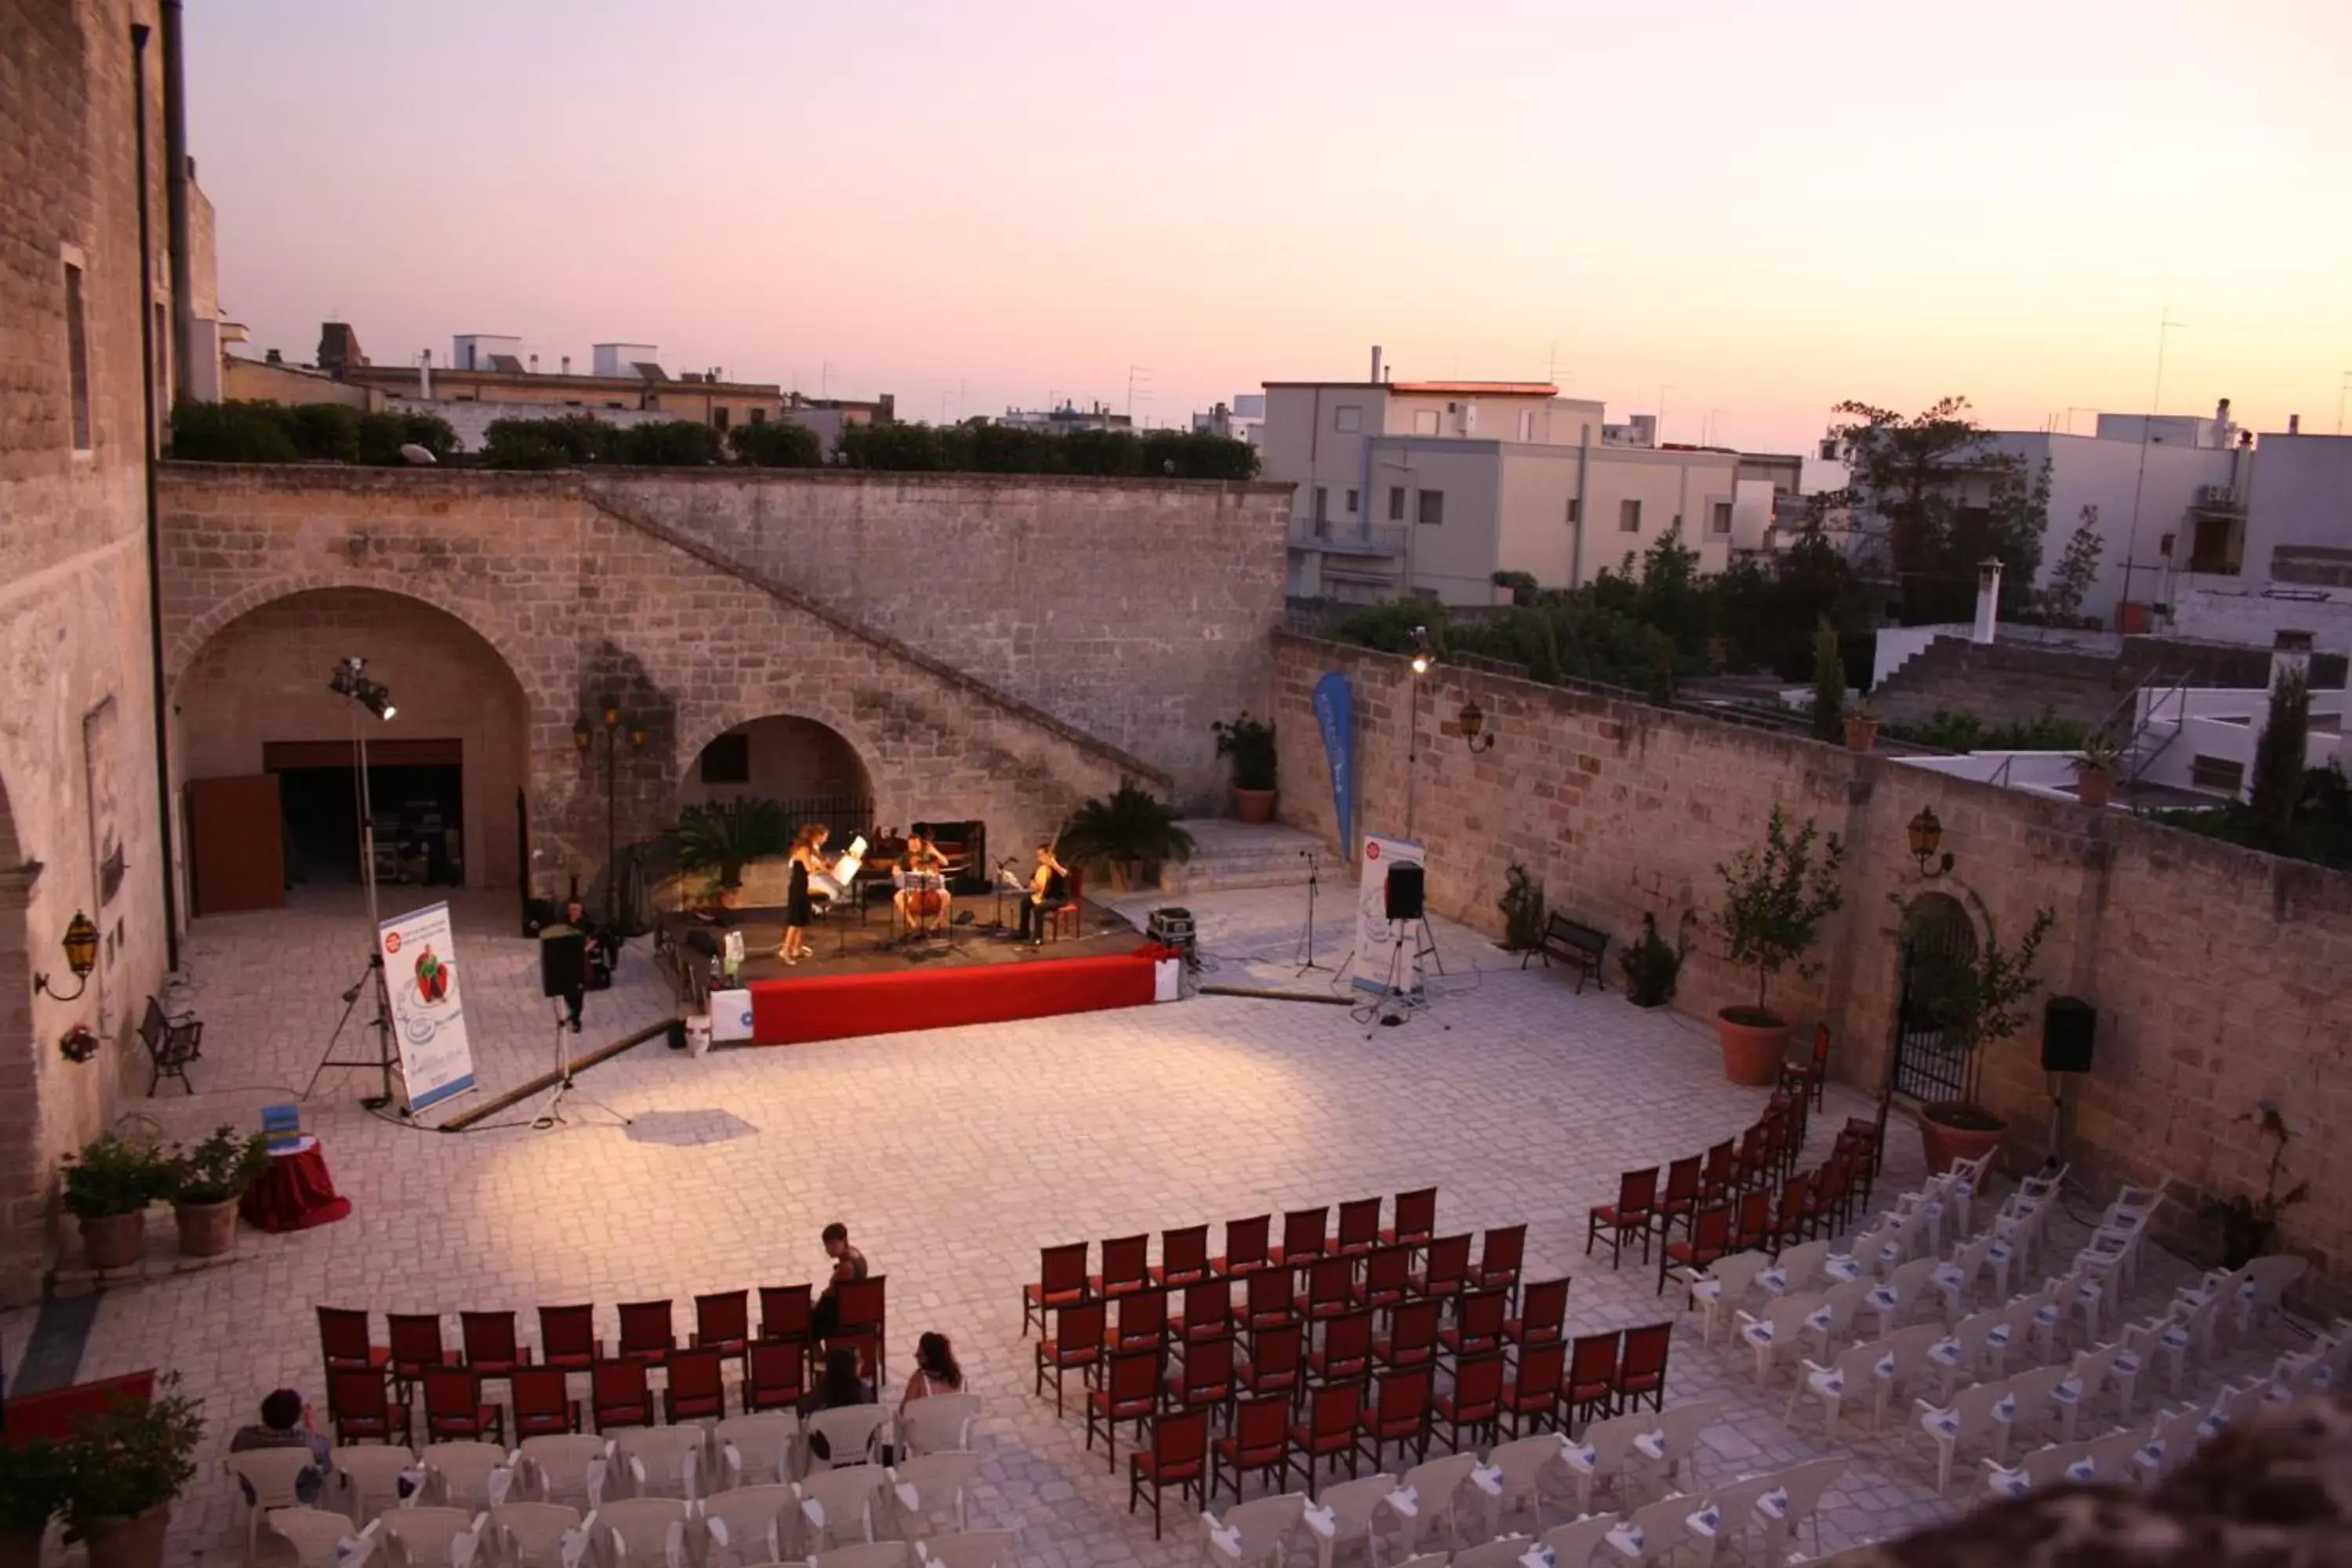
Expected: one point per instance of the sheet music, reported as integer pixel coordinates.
(845, 870)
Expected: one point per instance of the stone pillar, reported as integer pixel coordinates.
(23, 1184)
(1988, 599)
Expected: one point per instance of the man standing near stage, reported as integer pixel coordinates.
(577, 918)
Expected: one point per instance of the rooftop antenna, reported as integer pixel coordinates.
(2164, 326)
(1139, 377)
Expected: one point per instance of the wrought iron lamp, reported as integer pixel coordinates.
(1927, 837)
(81, 957)
(1473, 725)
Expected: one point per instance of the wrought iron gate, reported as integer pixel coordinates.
(1938, 953)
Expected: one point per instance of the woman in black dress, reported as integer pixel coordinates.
(806, 862)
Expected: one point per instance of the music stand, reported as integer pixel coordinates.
(564, 1088)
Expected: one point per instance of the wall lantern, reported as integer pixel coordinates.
(1473, 723)
(637, 739)
(1927, 838)
(81, 957)
(1423, 656)
(581, 734)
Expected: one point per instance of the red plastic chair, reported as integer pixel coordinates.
(1330, 1288)
(1828, 1208)
(1184, 1256)
(1721, 1171)
(1478, 1320)
(542, 1402)
(787, 1312)
(1792, 1215)
(1334, 1411)
(1475, 1403)
(1245, 1249)
(1260, 1443)
(1205, 1312)
(1751, 1225)
(1076, 1344)
(1543, 1315)
(1809, 1078)
(775, 1375)
(1412, 1338)
(1360, 1225)
(1754, 1165)
(1399, 1414)
(1500, 1258)
(1130, 1392)
(416, 1347)
(1681, 1195)
(722, 1322)
(860, 1321)
(567, 1337)
(1141, 1323)
(1532, 1398)
(343, 1342)
(1709, 1239)
(490, 1345)
(697, 1390)
(1127, 1266)
(1277, 1363)
(1416, 1218)
(1305, 1236)
(455, 1409)
(645, 1334)
(1448, 1274)
(619, 1395)
(1206, 1377)
(361, 1408)
(1591, 1385)
(1266, 1299)
(1178, 1457)
(1387, 1276)
(1632, 1215)
(1346, 1353)
(1641, 1368)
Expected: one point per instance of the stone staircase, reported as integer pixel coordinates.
(1228, 854)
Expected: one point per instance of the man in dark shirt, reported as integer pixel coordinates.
(848, 1263)
(286, 1423)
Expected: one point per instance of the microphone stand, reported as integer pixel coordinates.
(996, 884)
(1307, 939)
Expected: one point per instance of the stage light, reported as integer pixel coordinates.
(1422, 656)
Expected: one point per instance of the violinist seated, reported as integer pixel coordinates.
(921, 900)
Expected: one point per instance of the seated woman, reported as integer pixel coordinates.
(921, 909)
(1049, 885)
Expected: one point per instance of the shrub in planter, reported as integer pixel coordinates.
(1132, 833)
(206, 1182)
(1522, 904)
(726, 835)
(1653, 964)
(1980, 1003)
(1775, 898)
(2096, 768)
(33, 1482)
(1250, 743)
(107, 1188)
(125, 1466)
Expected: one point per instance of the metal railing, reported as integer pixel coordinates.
(1342, 539)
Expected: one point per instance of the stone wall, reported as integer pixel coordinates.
(80, 827)
(1136, 611)
(2222, 976)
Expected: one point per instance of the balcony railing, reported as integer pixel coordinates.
(2218, 499)
(1347, 538)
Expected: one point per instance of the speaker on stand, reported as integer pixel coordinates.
(2069, 1028)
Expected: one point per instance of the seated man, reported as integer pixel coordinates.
(286, 1423)
(848, 1263)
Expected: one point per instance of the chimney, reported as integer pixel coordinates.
(1987, 599)
(567, 365)
(1376, 363)
(534, 364)
(425, 377)
(2289, 655)
(2294, 423)
(273, 357)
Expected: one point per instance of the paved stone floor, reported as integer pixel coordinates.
(954, 1157)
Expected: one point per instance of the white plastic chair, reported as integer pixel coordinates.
(753, 1524)
(922, 1484)
(2044, 1467)
(838, 1506)
(644, 1530)
(1503, 1551)
(865, 1555)
(1517, 1470)
(1600, 1458)
(1723, 1287)
(535, 1534)
(1797, 1270)
(1969, 1415)
(973, 1548)
(368, 1476)
(1429, 1495)
(758, 1449)
(1256, 1531)
(938, 1423)
(2169, 1444)
(1655, 1531)
(2032, 1397)
(274, 1477)
(316, 1534)
(1830, 1326)
(1956, 1280)
(2110, 1456)
(1672, 1442)
(2185, 1334)
(2268, 1280)
(1727, 1514)
(1344, 1515)
(475, 1476)
(1890, 1302)
(1854, 1370)
(661, 1461)
(559, 1465)
(1796, 1500)
(1968, 1180)
(1959, 1356)
(2091, 1371)
(1904, 1364)
(1778, 1329)
(1572, 1544)
(428, 1536)
(848, 1431)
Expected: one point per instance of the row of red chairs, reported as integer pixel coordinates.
(1734, 1169)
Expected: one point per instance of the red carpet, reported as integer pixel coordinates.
(832, 1007)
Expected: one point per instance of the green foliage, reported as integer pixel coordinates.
(1522, 904)
(1775, 896)
(1653, 964)
(1829, 685)
(980, 447)
(1390, 625)
(899, 448)
(34, 1478)
(2319, 830)
(131, 1457)
(777, 444)
(262, 431)
(1954, 731)
(1979, 1000)
(725, 835)
(383, 434)
(219, 1168)
(235, 431)
(1250, 743)
(111, 1176)
(1132, 827)
(2280, 753)
(1522, 584)
(2077, 569)
(1673, 597)
(523, 450)
(324, 432)
(578, 439)
(667, 444)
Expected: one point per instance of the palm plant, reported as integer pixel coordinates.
(725, 835)
(1133, 832)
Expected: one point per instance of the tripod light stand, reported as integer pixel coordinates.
(350, 679)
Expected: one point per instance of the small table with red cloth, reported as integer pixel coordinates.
(296, 1194)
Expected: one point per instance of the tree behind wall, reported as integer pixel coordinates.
(2279, 754)
(2077, 569)
(1829, 684)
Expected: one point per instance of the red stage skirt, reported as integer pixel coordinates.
(832, 1007)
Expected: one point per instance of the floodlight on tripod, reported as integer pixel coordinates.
(351, 680)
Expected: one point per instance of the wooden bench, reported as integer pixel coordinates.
(171, 1045)
(1573, 943)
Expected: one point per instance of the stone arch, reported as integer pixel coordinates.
(857, 748)
(23, 1182)
(1935, 945)
(788, 756)
(258, 682)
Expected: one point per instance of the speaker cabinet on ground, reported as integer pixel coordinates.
(563, 964)
(1404, 892)
(2069, 1026)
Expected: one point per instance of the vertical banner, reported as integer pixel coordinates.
(428, 1020)
(1384, 948)
(1335, 716)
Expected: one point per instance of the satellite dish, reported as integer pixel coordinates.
(416, 457)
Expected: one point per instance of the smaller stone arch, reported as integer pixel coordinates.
(1935, 954)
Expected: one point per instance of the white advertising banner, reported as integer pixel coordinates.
(428, 1017)
(1384, 948)
(731, 1014)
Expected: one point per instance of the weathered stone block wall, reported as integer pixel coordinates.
(2223, 978)
(1135, 610)
(76, 725)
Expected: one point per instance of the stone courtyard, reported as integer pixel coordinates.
(954, 1157)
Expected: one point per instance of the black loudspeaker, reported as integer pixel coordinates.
(1404, 892)
(563, 964)
(2069, 1024)
(676, 1035)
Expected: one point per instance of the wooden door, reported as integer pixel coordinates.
(237, 846)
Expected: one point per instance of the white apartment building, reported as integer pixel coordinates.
(1433, 487)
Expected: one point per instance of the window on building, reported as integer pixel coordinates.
(1322, 506)
(1629, 517)
(1396, 503)
(1719, 517)
(77, 359)
(611, 406)
(759, 417)
(1433, 506)
(573, 403)
(1527, 424)
(1575, 510)
(1351, 503)
(728, 760)
(1348, 418)
(2223, 775)
(718, 417)
(1424, 421)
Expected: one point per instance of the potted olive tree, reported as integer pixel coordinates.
(107, 1188)
(1979, 1002)
(126, 1464)
(1250, 743)
(33, 1480)
(1651, 964)
(1775, 898)
(1132, 834)
(206, 1182)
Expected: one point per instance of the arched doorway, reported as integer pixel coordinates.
(253, 705)
(809, 768)
(1935, 958)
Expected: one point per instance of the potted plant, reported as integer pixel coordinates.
(206, 1182)
(722, 836)
(1774, 897)
(107, 1188)
(127, 1463)
(2097, 767)
(1250, 743)
(1522, 904)
(1132, 833)
(33, 1478)
(1652, 964)
(2247, 1223)
(1861, 728)
(1979, 1002)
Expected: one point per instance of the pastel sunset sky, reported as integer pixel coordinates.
(1749, 209)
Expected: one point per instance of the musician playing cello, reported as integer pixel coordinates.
(1049, 884)
(921, 908)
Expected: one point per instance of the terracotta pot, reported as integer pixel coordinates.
(2094, 786)
(1253, 804)
(1754, 1043)
(1860, 734)
(115, 1240)
(1947, 1145)
(206, 1230)
(130, 1543)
